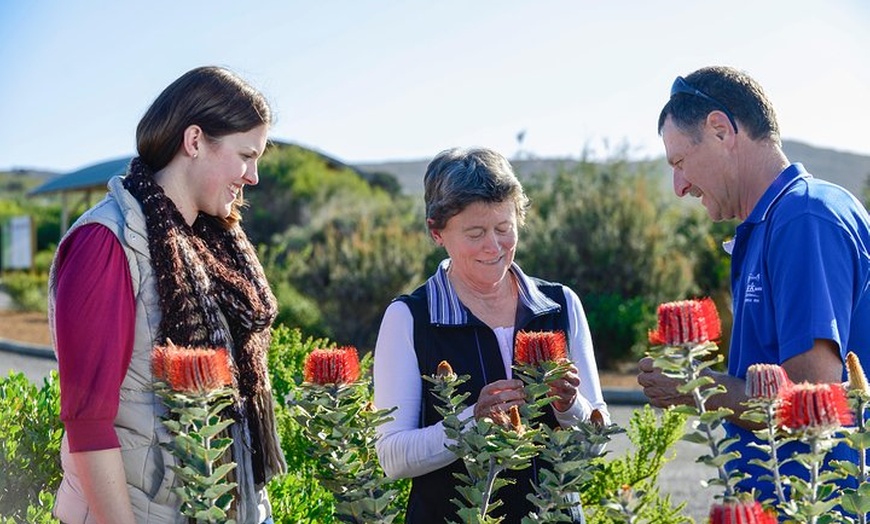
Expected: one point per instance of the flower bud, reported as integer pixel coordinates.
(857, 378)
(766, 381)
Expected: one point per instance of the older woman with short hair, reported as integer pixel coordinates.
(469, 313)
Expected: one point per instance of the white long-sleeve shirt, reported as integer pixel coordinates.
(406, 450)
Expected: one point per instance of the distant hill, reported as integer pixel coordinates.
(846, 169)
(849, 170)
(19, 181)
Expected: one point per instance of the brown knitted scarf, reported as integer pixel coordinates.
(205, 273)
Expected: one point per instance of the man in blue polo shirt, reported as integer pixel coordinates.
(800, 260)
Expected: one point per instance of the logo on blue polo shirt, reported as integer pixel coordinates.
(753, 288)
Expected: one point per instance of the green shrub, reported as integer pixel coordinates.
(353, 259)
(638, 470)
(30, 446)
(29, 291)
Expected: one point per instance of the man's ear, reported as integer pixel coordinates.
(721, 125)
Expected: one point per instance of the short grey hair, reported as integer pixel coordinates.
(459, 177)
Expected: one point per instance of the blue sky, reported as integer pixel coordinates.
(377, 80)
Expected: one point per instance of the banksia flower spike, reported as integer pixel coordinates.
(194, 383)
(814, 407)
(192, 370)
(765, 381)
(332, 366)
(740, 512)
(536, 347)
(857, 378)
(509, 420)
(686, 322)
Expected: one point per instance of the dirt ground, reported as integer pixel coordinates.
(33, 328)
(24, 327)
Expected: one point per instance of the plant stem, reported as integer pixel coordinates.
(494, 470)
(814, 474)
(774, 445)
(699, 403)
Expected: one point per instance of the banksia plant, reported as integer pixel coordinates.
(333, 409)
(857, 501)
(196, 386)
(764, 384)
(567, 455)
(741, 512)
(682, 345)
(487, 447)
(813, 413)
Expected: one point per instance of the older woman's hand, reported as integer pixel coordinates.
(499, 396)
(565, 389)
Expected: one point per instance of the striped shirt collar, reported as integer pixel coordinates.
(446, 309)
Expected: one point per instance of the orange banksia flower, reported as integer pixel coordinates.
(192, 370)
(596, 418)
(748, 512)
(445, 370)
(857, 378)
(814, 406)
(536, 347)
(509, 419)
(766, 381)
(332, 366)
(686, 322)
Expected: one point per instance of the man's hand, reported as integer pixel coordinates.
(659, 389)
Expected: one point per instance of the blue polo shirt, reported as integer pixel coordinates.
(800, 271)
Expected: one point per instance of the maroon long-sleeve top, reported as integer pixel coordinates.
(95, 314)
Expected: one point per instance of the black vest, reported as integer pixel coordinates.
(471, 349)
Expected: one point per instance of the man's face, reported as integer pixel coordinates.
(699, 166)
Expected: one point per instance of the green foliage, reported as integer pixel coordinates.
(353, 259)
(622, 320)
(631, 480)
(294, 182)
(298, 498)
(341, 426)
(487, 447)
(310, 500)
(200, 442)
(28, 291)
(605, 231)
(30, 447)
(686, 364)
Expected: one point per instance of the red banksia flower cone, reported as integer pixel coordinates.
(332, 366)
(814, 406)
(192, 370)
(766, 381)
(686, 322)
(749, 512)
(536, 347)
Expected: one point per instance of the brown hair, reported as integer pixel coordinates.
(213, 98)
